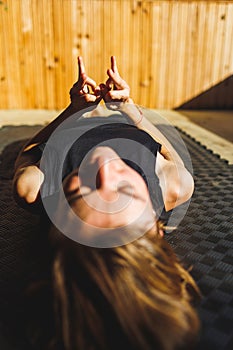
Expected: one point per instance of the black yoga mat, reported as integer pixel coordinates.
(204, 239)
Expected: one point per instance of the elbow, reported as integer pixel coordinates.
(188, 186)
(27, 201)
(180, 191)
(22, 194)
(29, 197)
(185, 188)
(26, 185)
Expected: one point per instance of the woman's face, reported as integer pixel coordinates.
(106, 193)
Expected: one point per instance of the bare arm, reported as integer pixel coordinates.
(121, 96)
(167, 150)
(28, 178)
(175, 180)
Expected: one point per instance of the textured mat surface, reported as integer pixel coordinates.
(204, 240)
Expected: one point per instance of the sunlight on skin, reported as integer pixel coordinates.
(120, 198)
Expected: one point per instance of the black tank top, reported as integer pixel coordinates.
(69, 146)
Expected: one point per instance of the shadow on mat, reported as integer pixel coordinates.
(24, 259)
(8, 157)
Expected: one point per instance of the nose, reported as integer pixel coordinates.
(110, 175)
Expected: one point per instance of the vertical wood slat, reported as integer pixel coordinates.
(228, 64)
(164, 35)
(46, 59)
(3, 58)
(12, 60)
(37, 74)
(168, 51)
(134, 35)
(155, 63)
(145, 79)
(25, 52)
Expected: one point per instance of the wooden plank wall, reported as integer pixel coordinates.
(168, 51)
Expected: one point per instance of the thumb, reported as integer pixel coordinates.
(104, 89)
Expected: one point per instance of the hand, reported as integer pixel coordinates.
(115, 91)
(85, 92)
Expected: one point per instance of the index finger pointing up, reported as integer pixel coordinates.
(81, 67)
(114, 64)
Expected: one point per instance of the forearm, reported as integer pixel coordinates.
(143, 123)
(44, 134)
(24, 158)
(167, 151)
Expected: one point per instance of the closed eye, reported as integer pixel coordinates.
(71, 197)
(78, 196)
(126, 189)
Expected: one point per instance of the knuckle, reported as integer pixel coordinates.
(112, 95)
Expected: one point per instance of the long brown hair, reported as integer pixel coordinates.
(137, 296)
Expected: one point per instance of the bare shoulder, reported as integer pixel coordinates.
(26, 185)
(175, 180)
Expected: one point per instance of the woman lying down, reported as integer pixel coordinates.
(107, 185)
